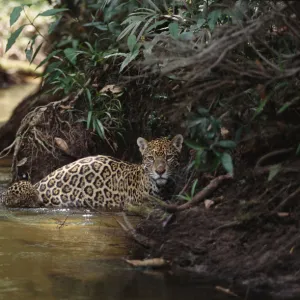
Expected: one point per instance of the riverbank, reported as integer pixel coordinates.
(248, 237)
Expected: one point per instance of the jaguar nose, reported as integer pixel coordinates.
(160, 170)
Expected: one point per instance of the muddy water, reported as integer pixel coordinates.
(83, 259)
(12, 96)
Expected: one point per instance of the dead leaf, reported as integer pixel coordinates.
(22, 162)
(153, 262)
(224, 132)
(208, 203)
(112, 88)
(226, 291)
(283, 214)
(65, 107)
(61, 144)
(105, 67)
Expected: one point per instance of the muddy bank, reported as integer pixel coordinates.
(249, 237)
(263, 257)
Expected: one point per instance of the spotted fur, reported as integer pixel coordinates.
(101, 181)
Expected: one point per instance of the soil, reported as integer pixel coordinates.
(249, 238)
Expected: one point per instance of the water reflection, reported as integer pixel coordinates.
(33, 250)
(121, 283)
(82, 260)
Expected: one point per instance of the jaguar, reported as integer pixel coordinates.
(102, 181)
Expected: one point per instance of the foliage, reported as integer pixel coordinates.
(206, 140)
(189, 197)
(202, 47)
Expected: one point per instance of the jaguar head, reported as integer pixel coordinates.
(161, 157)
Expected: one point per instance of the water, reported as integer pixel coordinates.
(83, 259)
(12, 96)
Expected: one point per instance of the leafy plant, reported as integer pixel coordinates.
(105, 115)
(206, 139)
(189, 197)
(14, 16)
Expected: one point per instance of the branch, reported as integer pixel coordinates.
(211, 187)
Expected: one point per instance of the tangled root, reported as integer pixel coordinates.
(47, 132)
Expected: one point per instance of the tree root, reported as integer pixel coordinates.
(272, 154)
(29, 125)
(139, 238)
(212, 186)
(286, 200)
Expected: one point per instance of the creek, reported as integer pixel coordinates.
(82, 259)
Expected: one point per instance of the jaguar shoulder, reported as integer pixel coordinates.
(102, 181)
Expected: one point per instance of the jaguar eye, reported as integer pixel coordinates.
(151, 158)
(169, 157)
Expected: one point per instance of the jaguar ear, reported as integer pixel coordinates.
(177, 142)
(143, 144)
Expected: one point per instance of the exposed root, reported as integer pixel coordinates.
(142, 240)
(7, 150)
(227, 225)
(259, 163)
(211, 187)
(39, 128)
(286, 200)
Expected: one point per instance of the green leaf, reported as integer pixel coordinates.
(51, 12)
(99, 25)
(193, 145)
(49, 56)
(131, 42)
(15, 14)
(158, 23)
(54, 65)
(130, 57)
(200, 157)
(203, 111)
(174, 30)
(89, 118)
(89, 96)
(71, 55)
(213, 18)
(226, 144)
(200, 22)
(227, 162)
(186, 36)
(53, 25)
(28, 53)
(100, 129)
(194, 187)
(36, 52)
(260, 108)
(287, 105)
(185, 197)
(196, 122)
(298, 150)
(13, 37)
(284, 107)
(274, 171)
